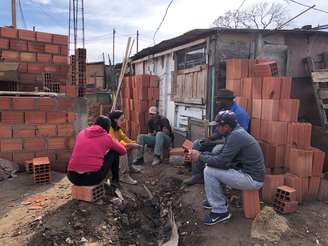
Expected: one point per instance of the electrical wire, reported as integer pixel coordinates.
(308, 6)
(160, 24)
(241, 5)
(22, 13)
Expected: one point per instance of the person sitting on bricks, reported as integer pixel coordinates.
(214, 143)
(160, 137)
(117, 120)
(95, 153)
(239, 164)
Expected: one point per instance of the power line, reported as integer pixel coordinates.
(22, 13)
(160, 24)
(308, 6)
(241, 5)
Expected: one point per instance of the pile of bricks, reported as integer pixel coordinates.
(78, 68)
(42, 57)
(35, 127)
(139, 92)
(286, 143)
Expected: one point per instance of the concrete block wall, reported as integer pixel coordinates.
(40, 126)
(37, 53)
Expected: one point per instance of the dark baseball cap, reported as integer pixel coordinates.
(225, 117)
(225, 94)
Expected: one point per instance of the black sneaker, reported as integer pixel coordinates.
(139, 161)
(214, 218)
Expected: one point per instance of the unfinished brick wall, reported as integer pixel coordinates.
(139, 92)
(37, 126)
(286, 143)
(42, 57)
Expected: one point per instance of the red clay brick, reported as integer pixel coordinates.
(35, 117)
(26, 35)
(64, 155)
(296, 183)
(246, 87)
(56, 117)
(88, 193)
(70, 142)
(45, 58)
(278, 170)
(66, 103)
(12, 117)
(56, 143)
(286, 193)
(44, 37)
(317, 162)
(251, 204)
(257, 84)
(234, 85)
(5, 102)
(23, 103)
(27, 77)
(286, 87)
(60, 59)
(63, 50)
(300, 162)
(6, 131)
(22, 68)
(71, 117)
(288, 110)
(314, 184)
(46, 130)
(4, 43)
(35, 68)
(256, 108)
(6, 155)
(270, 109)
(305, 188)
(256, 128)
(71, 91)
(274, 132)
(47, 104)
(299, 135)
(274, 155)
(20, 45)
(285, 207)
(50, 154)
(9, 55)
(23, 131)
(21, 157)
(271, 88)
(11, 145)
(60, 39)
(8, 32)
(36, 47)
(53, 49)
(65, 130)
(237, 68)
(34, 144)
(271, 183)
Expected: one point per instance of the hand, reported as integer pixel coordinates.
(133, 146)
(194, 154)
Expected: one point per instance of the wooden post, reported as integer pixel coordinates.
(13, 13)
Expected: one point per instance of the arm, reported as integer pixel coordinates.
(116, 146)
(125, 140)
(225, 158)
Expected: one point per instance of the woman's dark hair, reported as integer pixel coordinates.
(103, 121)
(113, 116)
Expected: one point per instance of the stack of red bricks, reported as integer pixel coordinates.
(36, 127)
(78, 70)
(139, 92)
(286, 143)
(42, 57)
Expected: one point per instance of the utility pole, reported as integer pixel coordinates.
(137, 41)
(13, 13)
(83, 38)
(114, 46)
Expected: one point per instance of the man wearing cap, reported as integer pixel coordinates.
(224, 101)
(160, 136)
(240, 165)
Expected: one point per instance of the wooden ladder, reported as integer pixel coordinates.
(320, 88)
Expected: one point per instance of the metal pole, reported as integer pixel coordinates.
(74, 24)
(69, 26)
(13, 13)
(114, 46)
(137, 41)
(83, 40)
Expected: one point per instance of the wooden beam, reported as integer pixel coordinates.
(13, 13)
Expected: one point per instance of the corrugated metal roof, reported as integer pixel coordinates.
(202, 33)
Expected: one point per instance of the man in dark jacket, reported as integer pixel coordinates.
(160, 136)
(240, 165)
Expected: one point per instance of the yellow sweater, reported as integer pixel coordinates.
(120, 136)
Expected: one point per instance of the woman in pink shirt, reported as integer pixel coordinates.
(94, 154)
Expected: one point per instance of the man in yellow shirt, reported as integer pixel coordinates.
(126, 167)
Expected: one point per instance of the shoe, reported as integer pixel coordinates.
(156, 161)
(115, 183)
(214, 218)
(126, 178)
(139, 161)
(206, 204)
(193, 180)
(135, 169)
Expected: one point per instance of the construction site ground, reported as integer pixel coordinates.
(32, 214)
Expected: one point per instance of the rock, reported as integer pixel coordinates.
(83, 240)
(268, 225)
(69, 240)
(7, 169)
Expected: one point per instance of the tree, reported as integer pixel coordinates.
(260, 16)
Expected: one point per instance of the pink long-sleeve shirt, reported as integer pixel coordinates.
(90, 147)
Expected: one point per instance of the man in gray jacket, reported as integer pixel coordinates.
(240, 165)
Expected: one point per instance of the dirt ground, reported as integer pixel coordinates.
(46, 215)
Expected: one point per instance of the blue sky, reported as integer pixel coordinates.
(127, 16)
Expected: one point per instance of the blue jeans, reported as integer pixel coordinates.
(160, 141)
(197, 167)
(214, 178)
